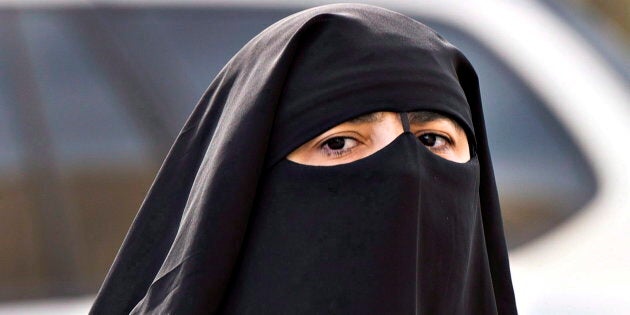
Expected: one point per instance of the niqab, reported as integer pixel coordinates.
(230, 226)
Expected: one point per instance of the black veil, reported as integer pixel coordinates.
(299, 77)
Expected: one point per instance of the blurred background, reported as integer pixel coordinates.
(93, 93)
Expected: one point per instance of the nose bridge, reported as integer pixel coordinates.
(393, 126)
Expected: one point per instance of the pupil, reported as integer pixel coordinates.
(428, 139)
(336, 143)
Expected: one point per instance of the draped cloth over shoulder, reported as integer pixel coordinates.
(230, 226)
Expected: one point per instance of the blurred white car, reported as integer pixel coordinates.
(110, 83)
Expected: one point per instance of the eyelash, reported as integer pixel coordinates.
(447, 140)
(327, 151)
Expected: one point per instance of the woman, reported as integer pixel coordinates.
(310, 180)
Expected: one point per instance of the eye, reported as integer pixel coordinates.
(434, 141)
(338, 146)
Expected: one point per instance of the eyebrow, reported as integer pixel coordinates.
(426, 116)
(368, 118)
(418, 117)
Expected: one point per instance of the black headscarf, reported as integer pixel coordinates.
(230, 226)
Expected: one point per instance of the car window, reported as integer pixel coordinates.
(189, 45)
(9, 154)
(87, 118)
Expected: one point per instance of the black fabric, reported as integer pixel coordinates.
(392, 233)
(232, 227)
